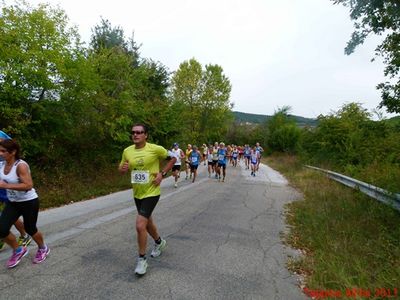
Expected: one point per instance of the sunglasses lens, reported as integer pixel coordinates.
(137, 132)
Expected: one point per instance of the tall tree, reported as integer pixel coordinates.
(106, 36)
(41, 59)
(205, 94)
(379, 17)
(187, 89)
(215, 105)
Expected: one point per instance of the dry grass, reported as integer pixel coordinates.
(349, 240)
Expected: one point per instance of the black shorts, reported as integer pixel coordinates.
(146, 206)
(223, 166)
(193, 167)
(29, 210)
(176, 168)
(211, 163)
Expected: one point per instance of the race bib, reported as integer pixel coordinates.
(140, 177)
(221, 157)
(194, 159)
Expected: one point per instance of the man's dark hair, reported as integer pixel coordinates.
(144, 127)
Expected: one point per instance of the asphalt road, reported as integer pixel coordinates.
(223, 242)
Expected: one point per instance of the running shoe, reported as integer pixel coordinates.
(16, 257)
(175, 185)
(24, 241)
(141, 266)
(158, 248)
(41, 255)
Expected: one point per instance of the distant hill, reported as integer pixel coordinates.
(258, 119)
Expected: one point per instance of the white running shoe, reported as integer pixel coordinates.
(158, 248)
(175, 185)
(141, 266)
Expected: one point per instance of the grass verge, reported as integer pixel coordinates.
(351, 242)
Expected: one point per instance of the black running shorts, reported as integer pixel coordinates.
(146, 206)
(176, 168)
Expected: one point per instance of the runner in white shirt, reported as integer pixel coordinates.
(254, 159)
(210, 160)
(176, 169)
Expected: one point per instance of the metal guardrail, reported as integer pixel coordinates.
(377, 193)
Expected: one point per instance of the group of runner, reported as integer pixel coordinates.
(142, 161)
(216, 156)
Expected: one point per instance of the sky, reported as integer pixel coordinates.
(275, 53)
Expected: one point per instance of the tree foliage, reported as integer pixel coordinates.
(350, 137)
(104, 36)
(41, 59)
(204, 93)
(69, 104)
(379, 17)
(283, 134)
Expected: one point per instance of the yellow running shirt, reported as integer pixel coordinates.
(187, 152)
(144, 164)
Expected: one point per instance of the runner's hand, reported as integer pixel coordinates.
(125, 166)
(158, 179)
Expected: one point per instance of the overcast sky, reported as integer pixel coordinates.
(275, 53)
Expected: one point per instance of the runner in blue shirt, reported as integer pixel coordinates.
(194, 160)
(247, 154)
(260, 150)
(221, 161)
(235, 155)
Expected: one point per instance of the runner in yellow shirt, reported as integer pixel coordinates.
(142, 159)
(187, 162)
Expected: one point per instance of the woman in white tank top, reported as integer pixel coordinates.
(16, 178)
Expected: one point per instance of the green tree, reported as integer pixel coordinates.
(282, 132)
(205, 96)
(214, 105)
(187, 89)
(379, 17)
(106, 36)
(131, 89)
(41, 63)
(339, 136)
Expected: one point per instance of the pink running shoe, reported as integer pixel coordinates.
(41, 255)
(16, 257)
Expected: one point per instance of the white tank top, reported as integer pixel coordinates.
(177, 154)
(12, 177)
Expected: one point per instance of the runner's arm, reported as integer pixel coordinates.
(171, 161)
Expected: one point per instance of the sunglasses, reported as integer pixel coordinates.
(137, 132)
